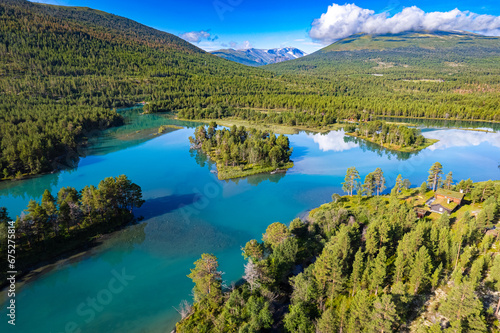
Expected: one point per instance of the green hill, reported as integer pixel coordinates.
(420, 39)
(407, 55)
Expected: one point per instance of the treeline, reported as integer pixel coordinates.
(237, 146)
(70, 219)
(358, 266)
(49, 137)
(290, 118)
(383, 133)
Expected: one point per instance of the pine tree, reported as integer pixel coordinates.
(423, 188)
(350, 181)
(357, 271)
(421, 269)
(495, 274)
(435, 173)
(463, 308)
(384, 316)
(399, 184)
(360, 310)
(379, 181)
(206, 277)
(448, 182)
(378, 271)
(369, 184)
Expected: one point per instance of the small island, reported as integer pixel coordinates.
(240, 153)
(390, 136)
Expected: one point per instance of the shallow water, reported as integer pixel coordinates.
(188, 211)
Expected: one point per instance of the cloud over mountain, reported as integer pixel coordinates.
(341, 21)
(198, 36)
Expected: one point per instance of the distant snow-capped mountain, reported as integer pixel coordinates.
(260, 57)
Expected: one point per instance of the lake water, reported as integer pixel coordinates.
(188, 211)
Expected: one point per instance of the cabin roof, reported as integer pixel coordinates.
(444, 203)
(450, 194)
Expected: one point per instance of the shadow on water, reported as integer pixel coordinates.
(123, 241)
(163, 205)
(299, 153)
(379, 150)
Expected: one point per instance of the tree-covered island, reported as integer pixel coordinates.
(390, 136)
(239, 152)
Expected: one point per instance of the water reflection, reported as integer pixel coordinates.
(337, 141)
(461, 138)
(433, 123)
(379, 150)
(204, 161)
(138, 128)
(333, 141)
(30, 187)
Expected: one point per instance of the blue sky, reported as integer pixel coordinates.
(216, 24)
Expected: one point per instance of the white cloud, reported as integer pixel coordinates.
(243, 46)
(198, 36)
(341, 21)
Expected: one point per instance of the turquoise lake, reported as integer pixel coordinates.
(188, 211)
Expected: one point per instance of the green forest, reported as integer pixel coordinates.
(363, 263)
(69, 220)
(240, 153)
(64, 71)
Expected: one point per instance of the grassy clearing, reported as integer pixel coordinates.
(412, 196)
(168, 128)
(231, 172)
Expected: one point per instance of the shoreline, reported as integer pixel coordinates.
(441, 119)
(81, 247)
(275, 128)
(271, 170)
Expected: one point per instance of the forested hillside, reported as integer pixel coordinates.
(415, 74)
(62, 69)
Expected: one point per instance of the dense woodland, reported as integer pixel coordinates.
(361, 264)
(71, 218)
(238, 147)
(63, 70)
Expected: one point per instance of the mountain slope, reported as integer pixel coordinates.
(419, 55)
(259, 57)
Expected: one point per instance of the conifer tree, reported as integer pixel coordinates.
(435, 173)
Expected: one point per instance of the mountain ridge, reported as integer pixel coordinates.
(260, 57)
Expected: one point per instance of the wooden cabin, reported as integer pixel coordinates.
(448, 195)
(420, 212)
(446, 201)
